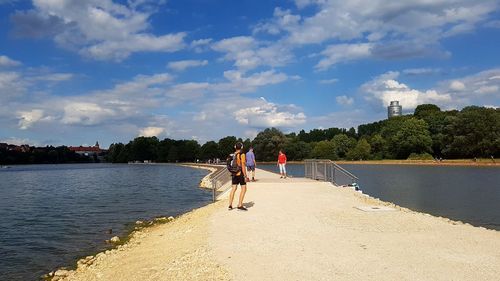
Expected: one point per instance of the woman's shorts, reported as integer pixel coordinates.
(239, 180)
(251, 168)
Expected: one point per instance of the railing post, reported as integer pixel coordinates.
(213, 191)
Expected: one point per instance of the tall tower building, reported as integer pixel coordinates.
(394, 109)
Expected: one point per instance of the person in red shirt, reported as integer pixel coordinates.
(282, 164)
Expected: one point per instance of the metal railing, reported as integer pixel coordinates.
(327, 170)
(218, 181)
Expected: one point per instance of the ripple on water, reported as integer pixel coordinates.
(53, 214)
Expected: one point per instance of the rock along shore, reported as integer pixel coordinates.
(299, 229)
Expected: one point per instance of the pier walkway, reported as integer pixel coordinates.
(300, 229)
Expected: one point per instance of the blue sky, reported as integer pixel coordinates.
(73, 72)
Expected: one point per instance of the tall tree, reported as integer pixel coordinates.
(268, 143)
(324, 150)
(226, 146)
(343, 144)
(412, 137)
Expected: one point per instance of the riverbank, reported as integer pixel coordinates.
(299, 229)
(453, 162)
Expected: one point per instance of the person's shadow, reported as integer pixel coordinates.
(248, 204)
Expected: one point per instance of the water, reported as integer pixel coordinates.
(50, 215)
(469, 194)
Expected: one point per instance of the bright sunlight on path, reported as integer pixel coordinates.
(300, 229)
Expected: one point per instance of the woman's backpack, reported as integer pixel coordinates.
(232, 163)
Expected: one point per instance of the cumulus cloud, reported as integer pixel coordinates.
(377, 28)
(28, 118)
(151, 131)
(344, 100)
(12, 85)
(185, 64)
(482, 88)
(85, 113)
(104, 30)
(343, 52)
(8, 62)
(248, 53)
(266, 114)
(385, 88)
(456, 85)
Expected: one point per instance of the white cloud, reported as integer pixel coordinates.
(28, 118)
(12, 85)
(394, 29)
(247, 53)
(19, 141)
(184, 64)
(385, 88)
(104, 29)
(421, 71)
(329, 81)
(8, 62)
(487, 89)
(267, 114)
(457, 86)
(480, 88)
(238, 83)
(151, 131)
(344, 100)
(86, 113)
(334, 54)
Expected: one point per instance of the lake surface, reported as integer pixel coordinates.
(50, 215)
(469, 194)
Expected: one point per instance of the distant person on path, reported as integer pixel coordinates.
(251, 164)
(282, 164)
(239, 174)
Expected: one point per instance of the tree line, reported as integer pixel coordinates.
(427, 134)
(11, 154)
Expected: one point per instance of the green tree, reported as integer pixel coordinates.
(188, 150)
(173, 154)
(226, 146)
(360, 152)
(324, 150)
(144, 148)
(474, 132)
(268, 143)
(209, 150)
(164, 148)
(412, 137)
(296, 149)
(378, 146)
(343, 144)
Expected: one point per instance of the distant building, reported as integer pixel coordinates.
(87, 150)
(394, 109)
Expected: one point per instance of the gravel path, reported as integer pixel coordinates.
(299, 229)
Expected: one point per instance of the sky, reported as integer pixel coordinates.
(73, 72)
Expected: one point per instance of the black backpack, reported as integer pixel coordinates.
(232, 164)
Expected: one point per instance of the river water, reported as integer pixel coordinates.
(50, 215)
(469, 194)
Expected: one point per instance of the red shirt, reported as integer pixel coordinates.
(282, 158)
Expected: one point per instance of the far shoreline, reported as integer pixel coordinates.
(457, 162)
